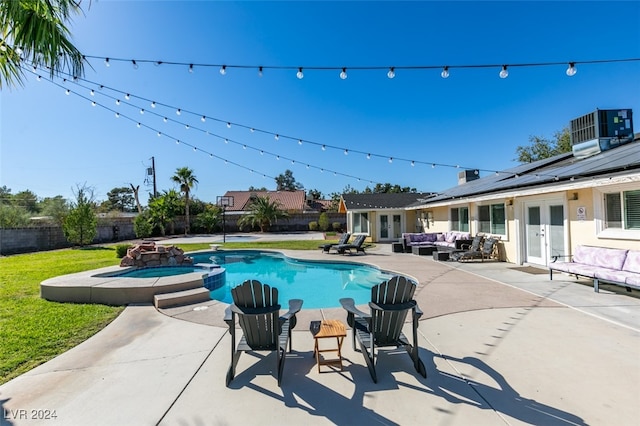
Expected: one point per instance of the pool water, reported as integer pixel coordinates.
(157, 271)
(319, 283)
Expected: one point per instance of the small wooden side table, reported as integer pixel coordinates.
(324, 330)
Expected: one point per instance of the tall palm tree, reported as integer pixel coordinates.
(262, 212)
(186, 179)
(34, 33)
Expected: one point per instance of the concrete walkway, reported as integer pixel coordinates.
(501, 346)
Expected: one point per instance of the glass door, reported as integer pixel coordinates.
(544, 231)
(390, 227)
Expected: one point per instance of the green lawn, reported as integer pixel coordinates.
(33, 330)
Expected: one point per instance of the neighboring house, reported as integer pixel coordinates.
(383, 217)
(291, 201)
(538, 210)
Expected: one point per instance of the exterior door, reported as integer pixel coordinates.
(390, 227)
(544, 231)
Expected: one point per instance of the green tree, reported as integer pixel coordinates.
(13, 216)
(262, 213)
(27, 200)
(5, 195)
(56, 208)
(253, 188)
(323, 222)
(163, 209)
(210, 218)
(35, 32)
(314, 194)
(540, 148)
(120, 199)
(142, 225)
(185, 178)
(286, 182)
(80, 226)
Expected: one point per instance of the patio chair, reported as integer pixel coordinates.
(256, 306)
(390, 303)
(356, 245)
(485, 252)
(474, 247)
(344, 239)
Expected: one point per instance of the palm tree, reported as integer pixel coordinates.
(185, 178)
(34, 33)
(262, 212)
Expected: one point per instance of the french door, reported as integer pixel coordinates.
(544, 231)
(390, 227)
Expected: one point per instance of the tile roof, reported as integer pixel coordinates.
(288, 200)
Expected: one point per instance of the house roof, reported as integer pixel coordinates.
(377, 201)
(549, 172)
(288, 200)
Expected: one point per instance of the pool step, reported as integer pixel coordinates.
(178, 298)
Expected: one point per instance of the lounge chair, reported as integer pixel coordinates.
(344, 239)
(474, 247)
(390, 302)
(256, 306)
(485, 252)
(356, 245)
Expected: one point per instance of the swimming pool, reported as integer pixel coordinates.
(319, 283)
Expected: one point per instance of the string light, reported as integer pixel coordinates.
(106, 62)
(127, 96)
(134, 63)
(259, 71)
(445, 72)
(178, 111)
(117, 101)
(299, 74)
(153, 104)
(504, 73)
(392, 72)
(191, 68)
(343, 74)
(92, 93)
(346, 152)
(228, 125)
(324, 147)
(223, 70)
(203, 118)
(571, 70)
(277, 137)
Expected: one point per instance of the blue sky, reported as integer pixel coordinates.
(52, 142)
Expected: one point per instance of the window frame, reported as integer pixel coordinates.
(492, 224)
(457, 222)
(360, 215)
(600, 210)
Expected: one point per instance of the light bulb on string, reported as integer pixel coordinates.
(117, 115)
(127, 96)
(571, 71)
(324, 148)
(226, 141)
(343, 74)
(159, 134)
(190, 68)
(390, 159)
(135, 65)
(346, 152)
(299, 141)
(223, 70)
(106, 62)
(504, 73)
(38, 78)
(138, 125)
(252, 130)
(92, 93)
(195, 149)
(178, 111)
(413, 163)
(153, 104)
(93, 103)
(259, 71)
(186, 126)
(117, 101)
(392, 72)
(165, 119)
(67, 92)
(203, 118)
(445, 72)
(228, 125)
(300, 74)
(141, 111)
(368, 156)
(277, 137)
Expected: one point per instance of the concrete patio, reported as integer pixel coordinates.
(502, 345)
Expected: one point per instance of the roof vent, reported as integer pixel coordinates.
(601, 130)
(468, 175)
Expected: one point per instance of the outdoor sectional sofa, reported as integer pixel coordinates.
(437, 240)
(615, 266)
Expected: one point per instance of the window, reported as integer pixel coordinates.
(460, 219)
(622, 210)
(492, 219)
(361, 223)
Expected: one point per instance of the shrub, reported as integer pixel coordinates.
(313, 226)
(121, 250)
(323, 221)
(336, 226)
(142, 226)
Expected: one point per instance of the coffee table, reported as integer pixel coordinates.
(328, 329)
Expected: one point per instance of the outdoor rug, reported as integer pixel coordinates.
(530, 270)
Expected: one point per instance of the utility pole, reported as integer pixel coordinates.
(153, 167)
